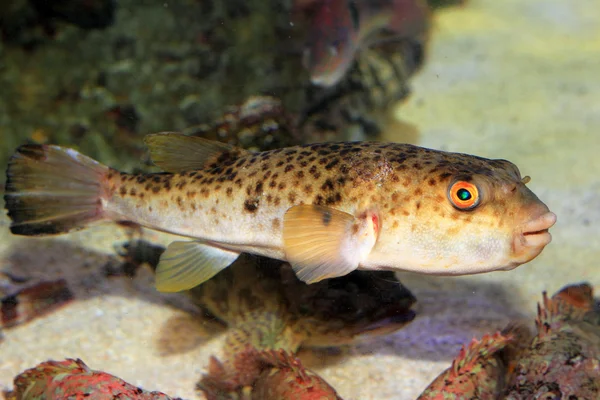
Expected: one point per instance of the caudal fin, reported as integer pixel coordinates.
(50, 190)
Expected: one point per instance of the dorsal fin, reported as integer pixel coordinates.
(175, 152)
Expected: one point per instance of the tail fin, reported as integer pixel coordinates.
(50, 190)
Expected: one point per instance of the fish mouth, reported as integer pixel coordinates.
(532, 238)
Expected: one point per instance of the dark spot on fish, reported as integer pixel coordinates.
(444, 176)
(279, 164)
(308, 189)
(277, 200)
(156, 179)
(281, 186)
(251, 205)
(333, 199)
(132, 191)
(231, 176)
(276, 223)
(288, 168)
(122, 190)
(300, 174)
(148, 186)
(418, 204)
(272, 184)
(155, 189)
(328, 185)
(332, 163)
(229, 191)
(319, 200)
(259, 188)
(292, 197)
(418, 191)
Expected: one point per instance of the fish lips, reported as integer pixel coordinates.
(531, 238)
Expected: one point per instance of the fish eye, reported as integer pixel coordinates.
(464, 195)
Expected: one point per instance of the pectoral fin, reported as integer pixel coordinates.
(175, 152)
(187, 264)
(322, 242)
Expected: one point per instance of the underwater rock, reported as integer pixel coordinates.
(30, 23)
(562, 361)
(267, 375)
(260, 123)
(479, 371)
(72, 379)
(89, 14)
(177, 77)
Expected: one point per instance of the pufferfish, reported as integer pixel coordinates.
(327, 209)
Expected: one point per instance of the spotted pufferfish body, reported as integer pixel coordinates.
(326, 208)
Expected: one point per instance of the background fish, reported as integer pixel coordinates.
(340, 27)
(27, 303)
(327, 209)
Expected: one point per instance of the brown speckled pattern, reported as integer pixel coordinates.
(323, 174)
(399, 179)
(239, 201)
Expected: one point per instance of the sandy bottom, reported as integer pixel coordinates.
(503, 79)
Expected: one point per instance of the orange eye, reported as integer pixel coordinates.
(464, 195)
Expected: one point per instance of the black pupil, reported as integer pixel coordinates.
(464, 194)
